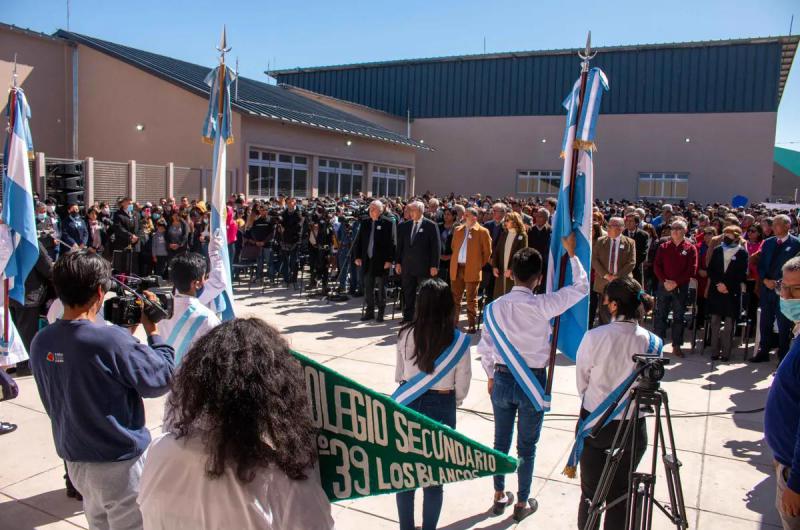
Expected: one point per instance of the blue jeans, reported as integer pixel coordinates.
(289, 265)
(442, 408)
(346, 267)
(264, 257)
(769, 303)
(675, 300)
(508, 399)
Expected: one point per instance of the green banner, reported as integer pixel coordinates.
(369, 444)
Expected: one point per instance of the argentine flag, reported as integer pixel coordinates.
(18, 196)
(217, 130)
(578, 141)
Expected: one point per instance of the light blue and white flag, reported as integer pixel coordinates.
(578, 141)
(18, 210)
(217, 129)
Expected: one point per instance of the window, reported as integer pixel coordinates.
(338, 178)
(538, 182)
(663, 185)
(389, 181)
(271, 174)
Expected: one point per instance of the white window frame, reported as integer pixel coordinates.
(659, 179)
(383, 176)
(294, 166)
(324, 167)
(537, 176)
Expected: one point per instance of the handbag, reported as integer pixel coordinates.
(8, 387)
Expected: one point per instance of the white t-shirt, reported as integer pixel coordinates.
(176, 494)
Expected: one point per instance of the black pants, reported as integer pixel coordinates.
(374, 281)
(593, 460)
(410, 284)
(26, 320)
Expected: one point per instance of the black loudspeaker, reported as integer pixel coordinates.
(65, 184)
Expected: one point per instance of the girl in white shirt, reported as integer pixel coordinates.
(239, 449)
(419, 344)
(604, 361)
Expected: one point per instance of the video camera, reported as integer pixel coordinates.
(126, 308)
(650, 368)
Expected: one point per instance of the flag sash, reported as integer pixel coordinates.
(586, 425)
(515, 363)
(444, 364)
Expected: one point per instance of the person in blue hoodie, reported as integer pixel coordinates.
(782, 413)
(91, 379)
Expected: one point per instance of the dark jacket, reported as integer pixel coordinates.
(419, 256)
(642, 240)
(74, 233)
(182, 240)
(292, 227)
(774, 256)
(39, 280)
(728, 304)
(383, 245)
(124, 227)
(503, 285)
(495, 230)
(92, 378)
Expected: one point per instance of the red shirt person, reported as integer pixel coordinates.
(675, 264)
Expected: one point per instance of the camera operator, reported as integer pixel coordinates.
(92, 378)
(604, 367)
(320, 240)
(259, 233)
(291, 228)
(190, 318)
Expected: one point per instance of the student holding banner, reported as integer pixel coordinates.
(604, 369)
(433, 369)
(515, 350)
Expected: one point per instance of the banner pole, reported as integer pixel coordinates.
(5, 312)
(562, 266)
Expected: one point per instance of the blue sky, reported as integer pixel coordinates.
(313, 33)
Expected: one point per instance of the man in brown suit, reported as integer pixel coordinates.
(613, 256)
(472, 249)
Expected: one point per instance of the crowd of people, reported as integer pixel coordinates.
(234, 428)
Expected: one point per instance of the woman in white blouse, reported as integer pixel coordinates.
(239, 449)
(604, 362)
(419, 344)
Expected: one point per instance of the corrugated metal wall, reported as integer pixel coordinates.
(721, 78)
(151, 182)
(110, 181)
(188, 181)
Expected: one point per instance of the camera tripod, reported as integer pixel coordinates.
(640, 498)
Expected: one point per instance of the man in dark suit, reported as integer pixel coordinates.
(375, 250)
(418, 251)
(539, 238)
(495, 228)
(775, 251)
(642, 240)
(125, 227)
(75, 234)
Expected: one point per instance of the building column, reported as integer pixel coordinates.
(39, 176)
(132, 179)
(368, 179)
(203, 184)
(411, 176)
(88, 181)
(313, 177)
(170, 176)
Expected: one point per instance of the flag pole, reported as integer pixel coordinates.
(6, 283)
(586, 55)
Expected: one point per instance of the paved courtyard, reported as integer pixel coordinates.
(726, 473)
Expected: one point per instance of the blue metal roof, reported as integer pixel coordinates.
(254, 97)
(718, 76)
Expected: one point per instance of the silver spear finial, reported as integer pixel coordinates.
(587, 54)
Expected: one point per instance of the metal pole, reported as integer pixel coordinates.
(572, 173)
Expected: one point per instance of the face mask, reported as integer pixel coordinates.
(791, 309)
(728, 241)
(130, 208)
(74, 215)
(106, 211)
(41, 216)
(156, 216)
(51, 208)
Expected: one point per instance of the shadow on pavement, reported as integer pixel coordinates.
(24, 514)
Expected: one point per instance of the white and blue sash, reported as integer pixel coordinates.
(422, 382)
(515, 363)
(185, 330)
(586, 425)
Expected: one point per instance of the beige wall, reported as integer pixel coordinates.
(729, 154)
(44, 71)
(784, 182)
(115, 97)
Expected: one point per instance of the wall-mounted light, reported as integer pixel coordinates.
(349, 143)
(544, 140)
(421, 141)
(140, 127)
(687, 140)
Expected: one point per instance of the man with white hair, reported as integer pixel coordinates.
(434, 213)
(775, 252)
(664, 219)
(418, 252)
(374, 249)
(675, 264)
